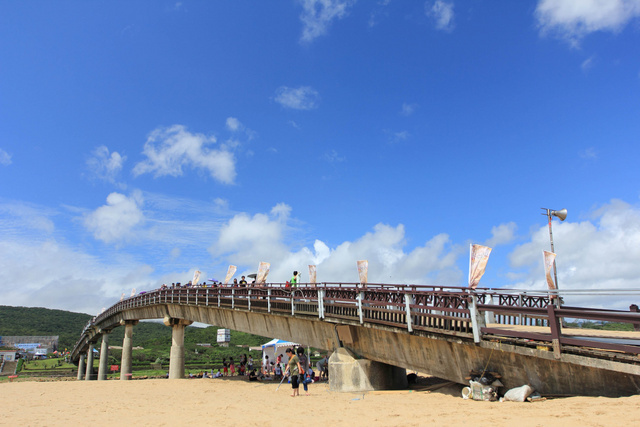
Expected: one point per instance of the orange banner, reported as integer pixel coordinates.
(312, 274)
(363, 271)
(263, 272)
(549, 259)
(230, 272)
(196, 277)
(478, 258)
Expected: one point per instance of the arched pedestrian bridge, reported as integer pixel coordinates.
(442, 331)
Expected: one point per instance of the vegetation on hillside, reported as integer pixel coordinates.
(30, 321)
(151, 339)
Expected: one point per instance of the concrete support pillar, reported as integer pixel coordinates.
(176, 364)
(89, 363)
(127, 349)
(104, 358)
(81, 367)
(348, 374)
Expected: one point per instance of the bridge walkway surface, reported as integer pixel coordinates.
(378, 330)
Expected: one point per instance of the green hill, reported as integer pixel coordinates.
(153, 337)
(19, 321)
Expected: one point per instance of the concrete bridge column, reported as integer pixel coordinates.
(348, 374)
(104, 357)
(89, 362)
(176, 364)
(81, 367)
(127, 349)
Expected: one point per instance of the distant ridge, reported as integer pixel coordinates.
(38, 321)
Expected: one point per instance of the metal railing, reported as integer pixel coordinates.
(447, 310)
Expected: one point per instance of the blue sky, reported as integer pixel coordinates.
(142, 140)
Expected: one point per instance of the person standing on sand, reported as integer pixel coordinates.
(225, 368)
(293, 369)
(304, 367)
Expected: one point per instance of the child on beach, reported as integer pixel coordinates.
(232, 366)
(278, 371)
(224, 366)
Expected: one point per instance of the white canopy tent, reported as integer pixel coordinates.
(276, 347)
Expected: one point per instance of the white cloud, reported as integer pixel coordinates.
(587, 63)
(116, 220)
(168, 150)
(378, 12)
(317, 15)
(49, 274)
(20, 219)
(104, 165)
(574, 19)
(602, 253)
(246, 240)
(396, 137)
(5, 158)
(589, 153)
(333, 157)
(502, 234)
(301, 98)
(233, 124)
(408, 109)
(442, 13)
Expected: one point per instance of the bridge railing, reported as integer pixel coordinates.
(410, 307)
(552, 317)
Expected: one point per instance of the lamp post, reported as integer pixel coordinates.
(562, 215)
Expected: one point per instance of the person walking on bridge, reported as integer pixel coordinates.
(294, 279)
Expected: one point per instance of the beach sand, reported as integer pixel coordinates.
(235, 401)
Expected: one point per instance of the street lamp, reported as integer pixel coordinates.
(562, 214)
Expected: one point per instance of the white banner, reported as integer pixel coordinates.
(312, 274)
(478, 258)
(363, 271)
(263, 272)
(549, 258)
(133, 291)
(230, 272)
(196, 277)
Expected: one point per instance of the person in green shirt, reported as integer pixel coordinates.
(294, 279)
(293, 369)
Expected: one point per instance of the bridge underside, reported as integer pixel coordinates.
(444, 356)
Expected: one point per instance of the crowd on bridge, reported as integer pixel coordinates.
(295, 279)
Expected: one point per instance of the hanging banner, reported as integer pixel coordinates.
(196, 277)
(478, 257)
(549, 259)
(363, 271)
(230, 272)
(263, 272)
(312, 274)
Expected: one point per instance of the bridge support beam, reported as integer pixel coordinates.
(348, 374)
(81, 367)
(127, 349)
(176, 364)
(89, 371)
(104, 357)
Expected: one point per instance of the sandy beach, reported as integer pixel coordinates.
(235, 401)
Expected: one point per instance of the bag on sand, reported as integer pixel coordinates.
(518, 394)
(482, 392)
